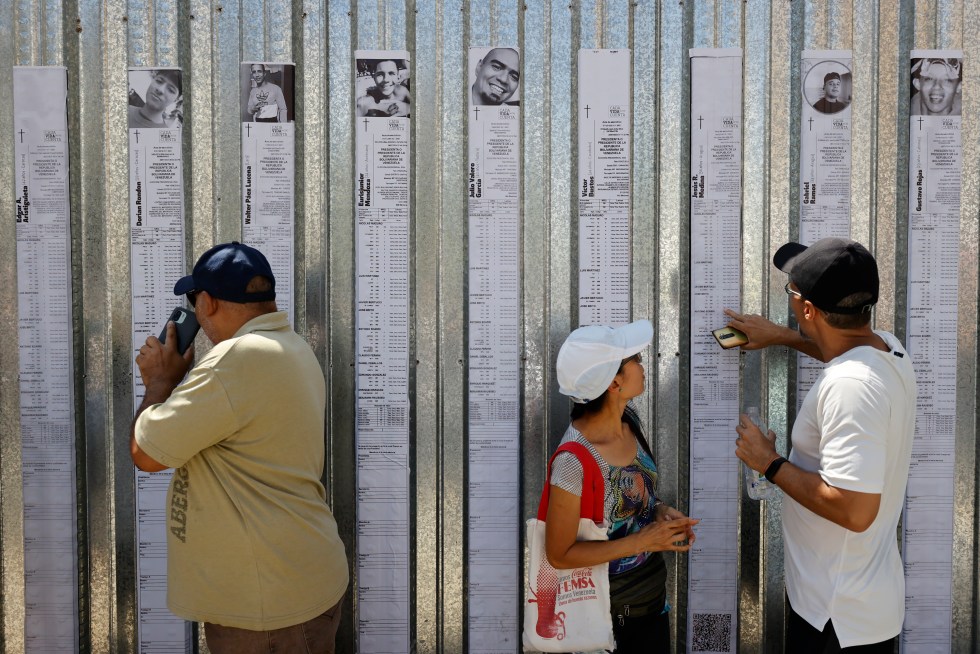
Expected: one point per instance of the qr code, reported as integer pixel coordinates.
(712, 632)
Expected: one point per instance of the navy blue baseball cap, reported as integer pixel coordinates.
(224, 272)
(829, 271)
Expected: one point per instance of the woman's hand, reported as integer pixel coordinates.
(565, 551)
(668, 535)
(666, 512)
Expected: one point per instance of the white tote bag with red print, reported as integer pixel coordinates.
(568, 610)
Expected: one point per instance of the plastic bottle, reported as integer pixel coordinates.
(756, 484)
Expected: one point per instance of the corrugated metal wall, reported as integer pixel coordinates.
(97, 40)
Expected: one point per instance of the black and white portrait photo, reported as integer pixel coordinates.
(383, 88)
(827, 87)
(267, 92)
(936, 87)
(155, 99)
(495, 76)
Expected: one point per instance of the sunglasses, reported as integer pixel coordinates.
(790, 291)
(192, 297)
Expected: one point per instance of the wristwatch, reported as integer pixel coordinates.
(774, 468)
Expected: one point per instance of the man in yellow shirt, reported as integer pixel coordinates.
(252, 547)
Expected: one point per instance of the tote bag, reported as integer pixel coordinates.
(568, 610)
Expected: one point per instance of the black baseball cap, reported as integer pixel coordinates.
(224, 272)
(829, 271)
(831, 75)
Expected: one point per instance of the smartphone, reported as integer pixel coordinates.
(186, 323)
(729, 337)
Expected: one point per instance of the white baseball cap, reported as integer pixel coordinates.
(591, 356)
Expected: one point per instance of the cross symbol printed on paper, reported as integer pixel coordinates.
(920, 123)
(811, 123)
(248, 129)
(476, 112)
(365, 124)
(137, 135)
(21, 132)
(700, 120)
(587, 107)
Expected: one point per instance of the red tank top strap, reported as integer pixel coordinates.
(593, 485)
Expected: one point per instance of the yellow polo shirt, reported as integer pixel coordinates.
(251, 542)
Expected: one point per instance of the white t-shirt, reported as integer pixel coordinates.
(855, 429)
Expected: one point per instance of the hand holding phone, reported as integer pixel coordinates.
(729, 337)
(187, 327)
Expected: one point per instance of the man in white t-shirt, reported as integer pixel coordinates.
(851, 444)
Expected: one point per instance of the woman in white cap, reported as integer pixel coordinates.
(600, 369)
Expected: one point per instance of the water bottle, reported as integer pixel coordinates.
(756, 484)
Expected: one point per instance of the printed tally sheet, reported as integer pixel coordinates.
(604, 187)
(156, 212)
(493, 350)
(935, 170)
(381, 200)
(45, 351)
(715, 191)
(268, 169)
(825, 165)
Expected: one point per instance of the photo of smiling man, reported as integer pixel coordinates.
(496, 78)
(155, 99)
(383, 88)
(266, 92)
(936, 84)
